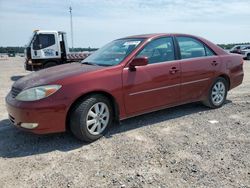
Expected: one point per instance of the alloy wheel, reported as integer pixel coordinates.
(97, 118)
(218, 93)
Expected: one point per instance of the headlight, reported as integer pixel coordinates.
(37, 93)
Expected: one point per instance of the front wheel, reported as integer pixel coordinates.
(217, 94)
(91, 118)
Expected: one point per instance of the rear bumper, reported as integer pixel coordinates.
(237, 80)
(50, 118)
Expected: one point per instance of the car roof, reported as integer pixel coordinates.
(155, 35)
(152, 36)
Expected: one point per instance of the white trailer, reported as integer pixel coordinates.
(49, 48)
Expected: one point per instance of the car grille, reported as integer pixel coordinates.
(15, 91)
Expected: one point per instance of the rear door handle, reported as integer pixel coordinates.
(173, 70)
(214, 63)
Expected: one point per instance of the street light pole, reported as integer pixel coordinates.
(71, 27)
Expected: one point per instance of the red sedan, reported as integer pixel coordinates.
(125, 78)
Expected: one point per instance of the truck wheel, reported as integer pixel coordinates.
(49, 64)
(91, 118)
(217, 94)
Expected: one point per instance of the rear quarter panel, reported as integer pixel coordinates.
(233, 66)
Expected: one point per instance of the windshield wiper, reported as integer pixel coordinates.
(89, 63)
(104, 65)
(95, 64)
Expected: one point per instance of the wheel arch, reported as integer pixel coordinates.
(111, 98)
(248, 55)
(51, 61)
(227, 78)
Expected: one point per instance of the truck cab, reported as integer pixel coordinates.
(46, 49)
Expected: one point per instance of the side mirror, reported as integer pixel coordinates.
(138, 61)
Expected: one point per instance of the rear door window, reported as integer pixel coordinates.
(192, 48)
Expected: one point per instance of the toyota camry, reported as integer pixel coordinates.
(125, 78)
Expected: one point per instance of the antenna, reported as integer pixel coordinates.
(71, 27)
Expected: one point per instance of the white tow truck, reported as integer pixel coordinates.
(49, 48)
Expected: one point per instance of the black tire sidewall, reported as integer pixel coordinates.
(80, 115)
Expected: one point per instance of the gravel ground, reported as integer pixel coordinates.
(185, 146)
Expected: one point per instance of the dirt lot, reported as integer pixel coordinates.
(177, 147)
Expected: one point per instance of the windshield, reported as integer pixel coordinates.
(113, 53)
(246, 48)
(31, 39)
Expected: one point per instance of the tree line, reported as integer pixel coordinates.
(16, 49)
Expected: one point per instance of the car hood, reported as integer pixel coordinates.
(50, 75)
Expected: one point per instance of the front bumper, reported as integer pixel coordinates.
(30, 66)
(50, 116)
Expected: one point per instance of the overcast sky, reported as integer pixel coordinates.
(97, 22)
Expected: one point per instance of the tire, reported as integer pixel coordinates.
(217, 93)
(49, 64)
(248, 56)
(84, 111)
(28, 67)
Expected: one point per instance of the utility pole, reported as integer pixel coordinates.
(71, 27)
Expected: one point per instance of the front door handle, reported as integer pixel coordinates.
(214, 63)
(173, 70)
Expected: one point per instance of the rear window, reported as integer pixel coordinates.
(246, 48)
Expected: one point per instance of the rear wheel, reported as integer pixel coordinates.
(91, 118)
(217, 93)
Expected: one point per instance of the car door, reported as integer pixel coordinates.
(156, 84)
(198, 64)
(46, 46)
